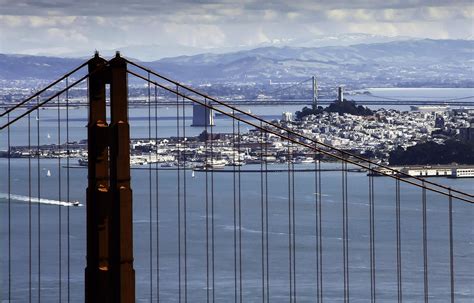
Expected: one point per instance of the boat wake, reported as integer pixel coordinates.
(27, 199)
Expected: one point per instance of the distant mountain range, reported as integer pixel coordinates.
(153, 51)
(446, 62)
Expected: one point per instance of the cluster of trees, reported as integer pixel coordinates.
(433, 153)
(340, 107)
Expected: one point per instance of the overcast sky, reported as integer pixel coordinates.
(65, 26)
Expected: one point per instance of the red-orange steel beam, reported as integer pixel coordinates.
(110, 276)
(121, 233)
(97, 273)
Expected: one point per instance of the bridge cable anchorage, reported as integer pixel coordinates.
(351, 158)
(157, 232)
(52, 97)
(39, 92)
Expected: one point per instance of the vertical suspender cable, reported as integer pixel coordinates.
(451, 247)
(206, 168)
(345, 231)
(344, 266)
(185, 209)
(150, 200)
(212, 210)
(372, 234)
(59, 199)
(39, 197)
(425, 245)
(179, 192)
(157, 201)
(293, 228)
(9, 213)
(29, 214)
(68, 195)
(262, 216)
(235, 207)
(266, 219)
(240, 214)
(290, 263)
(320, 228)
(316, 229)
(399, 254)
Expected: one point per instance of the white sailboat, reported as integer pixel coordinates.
(192, 174)
(48, 174)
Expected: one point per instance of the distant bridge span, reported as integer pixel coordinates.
(143, 102)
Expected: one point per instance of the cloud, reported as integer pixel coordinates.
(61, 25)
(221, 7)
(193, 36)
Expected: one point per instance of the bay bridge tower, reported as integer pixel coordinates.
(202, 115)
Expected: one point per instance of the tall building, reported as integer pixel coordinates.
(315, 93)
(340, 94)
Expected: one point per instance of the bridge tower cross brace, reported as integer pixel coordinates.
(109, 273)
